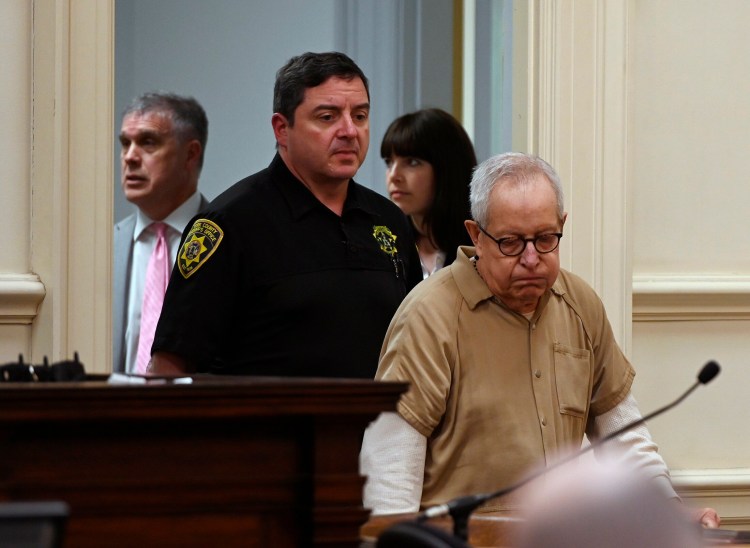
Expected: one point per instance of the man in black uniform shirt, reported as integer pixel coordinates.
(296, 270)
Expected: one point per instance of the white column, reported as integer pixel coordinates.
(574, 95)
(72, 178)
(20, 290)
(55, 180)
(15, 138)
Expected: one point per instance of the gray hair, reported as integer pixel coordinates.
(188, 117)
(515, 166)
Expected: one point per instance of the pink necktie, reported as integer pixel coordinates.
(157, 277)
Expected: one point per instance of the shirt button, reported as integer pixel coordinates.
(544, 421)
(537, 373)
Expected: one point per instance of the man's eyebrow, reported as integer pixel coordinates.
(361, 106)
(140, 135)
(326, 107)
(515, 234)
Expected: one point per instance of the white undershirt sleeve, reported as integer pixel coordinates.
(633, 448)
(392, 458)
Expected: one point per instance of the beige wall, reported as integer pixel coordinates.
(689, 139)
(628, 99)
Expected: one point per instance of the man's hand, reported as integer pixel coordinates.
(168, 364)
(707, 517)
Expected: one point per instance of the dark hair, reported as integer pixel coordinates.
(436, 137)
(308, 71)
(188, 117)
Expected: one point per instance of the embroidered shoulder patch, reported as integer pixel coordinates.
(201, 242)
(386, 239)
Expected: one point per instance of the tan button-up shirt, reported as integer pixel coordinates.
(497, 394)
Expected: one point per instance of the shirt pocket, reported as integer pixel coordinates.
(572, 374)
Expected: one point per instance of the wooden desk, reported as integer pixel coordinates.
(497, 530)
(221, 462)
(488, 529)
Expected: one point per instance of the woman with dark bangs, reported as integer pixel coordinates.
(429, 160)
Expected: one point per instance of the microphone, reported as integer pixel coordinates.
(461, 508)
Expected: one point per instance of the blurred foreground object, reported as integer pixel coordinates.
(604, 506)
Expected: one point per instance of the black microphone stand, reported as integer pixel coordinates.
(460, 509)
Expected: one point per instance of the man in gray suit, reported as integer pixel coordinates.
(163, 138)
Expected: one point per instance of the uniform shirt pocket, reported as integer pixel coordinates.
(572, 375)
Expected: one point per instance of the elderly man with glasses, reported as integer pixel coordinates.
(510, 360)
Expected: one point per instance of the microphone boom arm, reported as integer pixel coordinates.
(461, 508)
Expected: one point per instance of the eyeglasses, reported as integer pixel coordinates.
(512, 246)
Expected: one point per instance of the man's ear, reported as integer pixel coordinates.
(280, 128)
(194, 150)
(473, 229)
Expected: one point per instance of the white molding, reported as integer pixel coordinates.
(72, 157)
(468, 63)
(20, 296)
(15, 142)
(726, 490)
(90, 192)
(613, 251)
(577, 99)
(658, 297)
(712, 481)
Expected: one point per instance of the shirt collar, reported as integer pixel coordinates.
(177, 220)
(300, 200)
(469, 283)
(472, 286)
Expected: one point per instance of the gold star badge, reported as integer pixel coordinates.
(386, 239)
(201, 242)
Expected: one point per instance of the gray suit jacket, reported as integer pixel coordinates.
(123, 258)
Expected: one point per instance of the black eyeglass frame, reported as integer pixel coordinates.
(499, 242)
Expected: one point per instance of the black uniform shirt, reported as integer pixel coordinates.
(269, 281)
